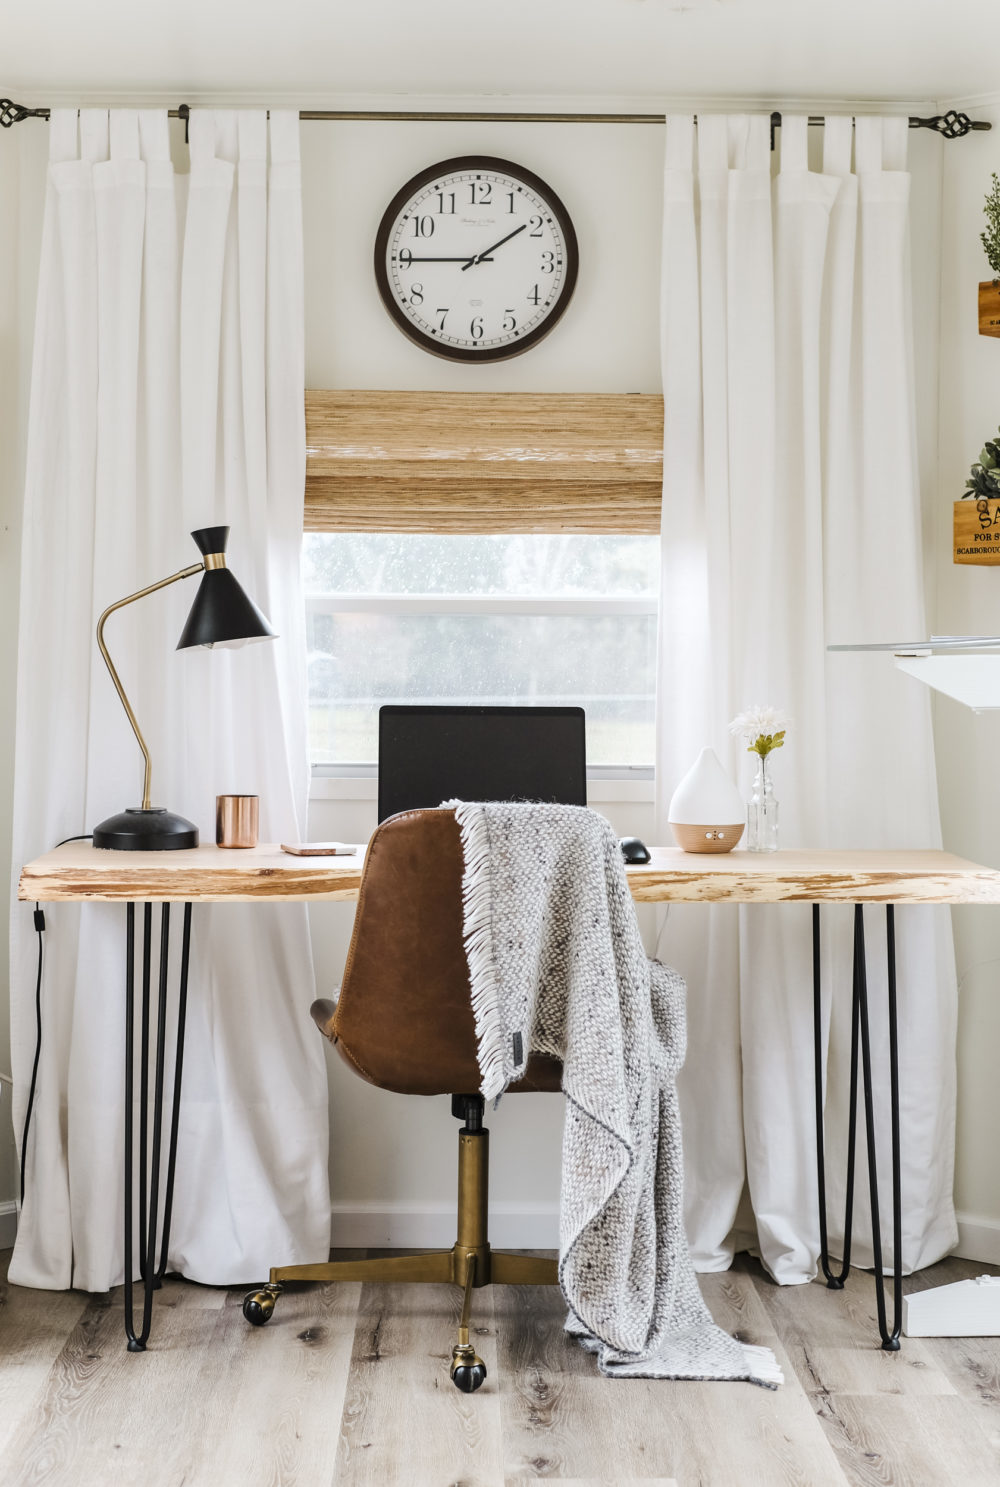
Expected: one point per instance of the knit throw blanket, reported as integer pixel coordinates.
(557, 967)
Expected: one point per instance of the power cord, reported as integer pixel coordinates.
(40, 928)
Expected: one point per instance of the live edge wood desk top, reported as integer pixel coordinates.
(78, 871)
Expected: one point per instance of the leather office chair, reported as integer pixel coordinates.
(404, 1022)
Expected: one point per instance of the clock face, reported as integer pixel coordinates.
(476, 259)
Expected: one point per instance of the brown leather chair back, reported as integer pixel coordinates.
(404, 1018)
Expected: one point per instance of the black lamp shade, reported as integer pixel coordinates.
(221, 611)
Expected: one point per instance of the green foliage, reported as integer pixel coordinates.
(984, 476)
(990, 239)
(765, 742)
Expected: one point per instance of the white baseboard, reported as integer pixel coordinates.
(978, 1238)
(432, 1225)
(8, 1223)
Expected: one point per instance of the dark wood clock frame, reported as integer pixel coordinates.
(424, 178)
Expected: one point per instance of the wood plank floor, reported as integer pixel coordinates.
(348, 1385)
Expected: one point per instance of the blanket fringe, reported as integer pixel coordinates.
(762, 1366)
(477, 930)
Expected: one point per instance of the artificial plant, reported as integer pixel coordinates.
(984, 476)
(990, 239)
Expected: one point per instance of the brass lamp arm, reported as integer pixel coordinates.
(120, 604)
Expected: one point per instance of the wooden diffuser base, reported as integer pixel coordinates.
(706, 838)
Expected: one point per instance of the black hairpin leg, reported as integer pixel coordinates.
(860, 1037)
(834, 1281)
(150, 1152)
(890, 1340)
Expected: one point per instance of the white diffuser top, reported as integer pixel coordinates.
(706, 796)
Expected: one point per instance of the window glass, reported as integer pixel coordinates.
(499, 620)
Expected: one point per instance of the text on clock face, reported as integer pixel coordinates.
(476, 259)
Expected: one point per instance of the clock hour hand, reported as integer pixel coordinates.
(484, 256)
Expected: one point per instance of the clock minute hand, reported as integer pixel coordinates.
(483, 257)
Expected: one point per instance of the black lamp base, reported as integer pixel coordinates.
(155, 830)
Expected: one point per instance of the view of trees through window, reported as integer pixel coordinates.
(498, 619)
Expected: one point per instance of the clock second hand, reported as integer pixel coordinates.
(483, 257)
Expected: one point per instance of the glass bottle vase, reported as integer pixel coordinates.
(762, 812)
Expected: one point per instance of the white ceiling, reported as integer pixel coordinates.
(319, 49)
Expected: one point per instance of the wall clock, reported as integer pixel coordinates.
(476, 259)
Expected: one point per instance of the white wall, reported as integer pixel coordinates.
(608, 178)
(968, 602)
(388, 1151)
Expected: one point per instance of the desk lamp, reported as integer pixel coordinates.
(222, 614)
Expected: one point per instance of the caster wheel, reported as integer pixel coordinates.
(257, 1307)
(468, 1370)
(468, 1376)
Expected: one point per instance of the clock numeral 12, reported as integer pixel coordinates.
(481, 193)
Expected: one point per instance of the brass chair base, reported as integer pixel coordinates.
(470, 1263)
(436, 1267)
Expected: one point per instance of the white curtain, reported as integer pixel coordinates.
(791, 521)
(167, 394)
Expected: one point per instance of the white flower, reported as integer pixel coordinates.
(759, 721)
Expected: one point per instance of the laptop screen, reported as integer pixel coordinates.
(430, 754)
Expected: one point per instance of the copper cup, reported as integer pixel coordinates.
(236, 818)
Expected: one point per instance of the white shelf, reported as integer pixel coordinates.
(973, 680)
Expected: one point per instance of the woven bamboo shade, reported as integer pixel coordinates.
(483, 462)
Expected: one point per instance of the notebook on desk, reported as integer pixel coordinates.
(430, 754)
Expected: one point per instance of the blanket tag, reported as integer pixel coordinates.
(518, 1050)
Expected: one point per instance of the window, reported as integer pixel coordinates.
(399, 617)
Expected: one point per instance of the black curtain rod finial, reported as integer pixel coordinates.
(13, 113)
(953, 125)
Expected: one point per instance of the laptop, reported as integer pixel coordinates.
(430, 754)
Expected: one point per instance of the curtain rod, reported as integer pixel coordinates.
(952, 125)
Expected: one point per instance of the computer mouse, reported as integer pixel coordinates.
(633, 850)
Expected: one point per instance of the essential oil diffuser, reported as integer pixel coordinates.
(707, 813)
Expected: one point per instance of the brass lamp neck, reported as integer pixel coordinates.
(120, 604)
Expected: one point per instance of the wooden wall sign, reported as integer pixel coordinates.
(989, 308)
(976, 532)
